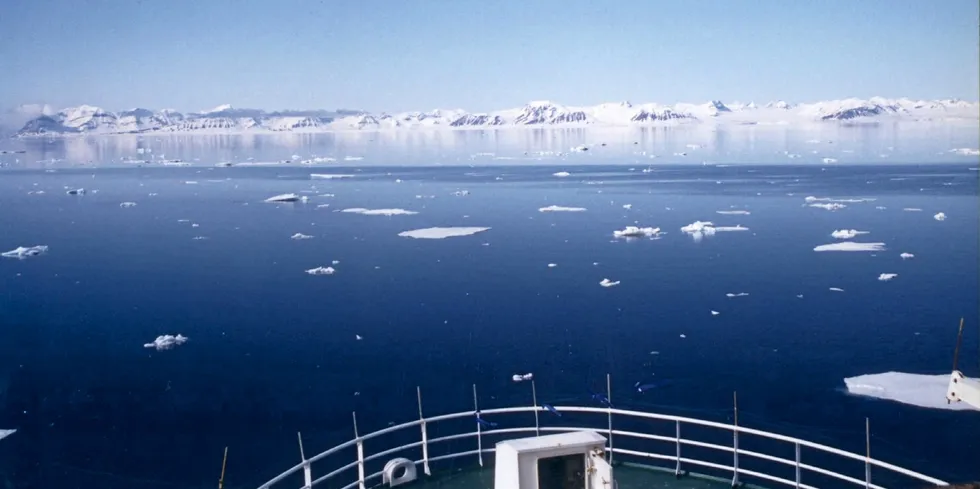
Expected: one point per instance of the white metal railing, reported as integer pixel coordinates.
(677, 458)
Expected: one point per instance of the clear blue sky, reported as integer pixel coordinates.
(480, 55)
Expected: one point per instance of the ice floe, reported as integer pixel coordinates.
(561, 174)
(830, 160)
(379, 212)
(912, 209)
(907, 256)
(22, 252)
(836, 289)
(608, 283)
(75, 191)
(552, 265)
(522, 377)
(6, 433)
(846, 233)
(127, 204)
(715, 313)
(301, 236)
(887, 276)
(740, 294)
(851, 246)
(965, 151)
(734, 213)
(940, 217)
(284, 198)
(558, 208)
(627, 206)
(830, 206)
(166, 342)
(928, 391)
(321, 271)
(441, 232)
(699, 229)
(328, 176)
(636, 232)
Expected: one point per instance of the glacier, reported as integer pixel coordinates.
(225, 119)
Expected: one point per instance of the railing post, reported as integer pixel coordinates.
(479, 431)
(307, 473)
(677, 440)
(797, 464)
(534, 398)
(425, 434)
(735, 440)
(867, 453)
(360, 455)
(609, 411)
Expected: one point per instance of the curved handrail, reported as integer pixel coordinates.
(423, 422)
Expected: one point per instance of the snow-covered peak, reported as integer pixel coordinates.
(219, 109)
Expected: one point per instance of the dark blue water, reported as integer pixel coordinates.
(273, 350)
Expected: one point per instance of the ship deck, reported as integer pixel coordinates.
(628, 476)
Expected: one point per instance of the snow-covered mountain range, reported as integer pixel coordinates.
(226, 119)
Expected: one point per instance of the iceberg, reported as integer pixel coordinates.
(928, 391)
(940, 217)
(887, 276)
(283, 198)
(636, 232)
(851, 246)
(608, 283)
(6, 433)
(442, 232)
(846, 233)
(22, 252)
(321, 271)
(166, 342)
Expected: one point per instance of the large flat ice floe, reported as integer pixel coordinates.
(441, 232)
(22, 252)
(284, 198)
(558, 208)
(166, 342)
(700, 229)
(328, 176)
(921, 390)
(379, 212)
(851, 246)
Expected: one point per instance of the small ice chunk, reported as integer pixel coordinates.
(734, 213)
(442, 232)
(608, 283)
(940, 217)
(912, 209)
(125, 205)
(830, 160)
(328, 176)
(552, 265)
(965, 151)
(740, 294)
(627, 206)
(283, 198)
(558, 208)
(522, 377)
(683, 335)
(321, 271)
(358, 337)
(836, 289)
(22, 252)
(887, 276)
(846, 233)
(301, 236)
(379, 212)
(636, 232)
(561, 174)
(907, 256)
(75, 191)
(851, 246)
(715, 313)
(166, 342)
(335, 262)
